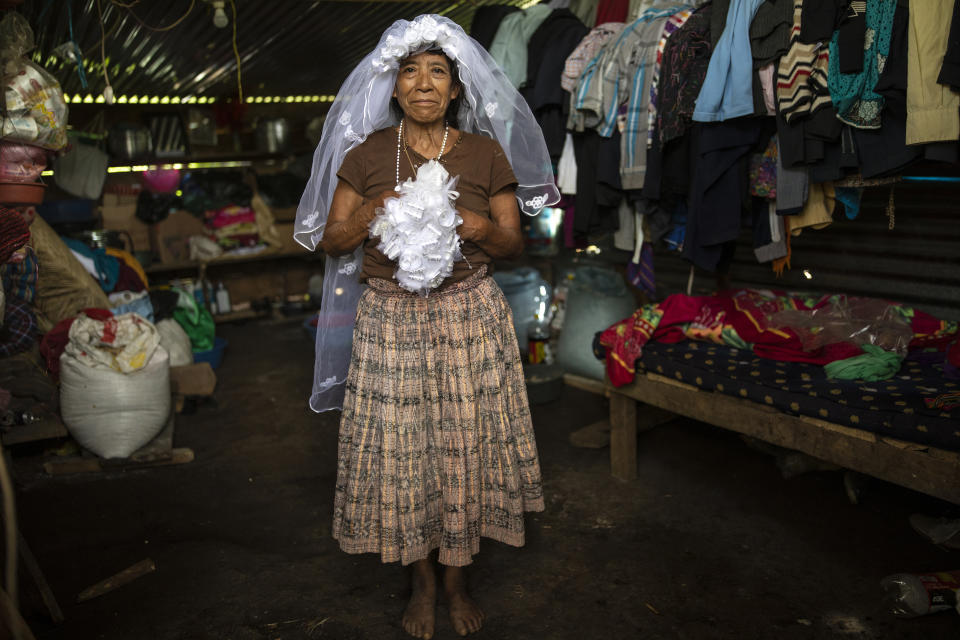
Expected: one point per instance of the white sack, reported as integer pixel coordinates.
(112, 413)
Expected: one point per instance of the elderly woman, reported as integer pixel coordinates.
(436, 445)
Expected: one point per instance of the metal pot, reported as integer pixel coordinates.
(129, 141)
(273, 135)
(103, 238)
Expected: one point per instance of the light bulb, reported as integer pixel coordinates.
(219, 15)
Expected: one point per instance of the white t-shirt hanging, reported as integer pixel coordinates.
(567, 168)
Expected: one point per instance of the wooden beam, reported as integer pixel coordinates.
(587, 384)
(12, 620)
(922, 468)
(92, 465)
(33, 568)
(46, 429)
(623, 437)
(128, 575)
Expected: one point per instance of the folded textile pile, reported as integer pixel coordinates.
(234, 226)
(418, 230)
(745, 319)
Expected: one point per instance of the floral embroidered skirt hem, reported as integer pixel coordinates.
(436, 446)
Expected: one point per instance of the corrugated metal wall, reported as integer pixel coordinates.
(917, 262)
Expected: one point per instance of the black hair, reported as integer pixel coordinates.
(453, 109)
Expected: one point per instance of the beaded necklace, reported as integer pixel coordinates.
(443, 145)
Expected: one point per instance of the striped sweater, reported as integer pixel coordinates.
(802, 74)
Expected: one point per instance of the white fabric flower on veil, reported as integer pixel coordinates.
(422, 31)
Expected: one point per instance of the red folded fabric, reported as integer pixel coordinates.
(55, 341)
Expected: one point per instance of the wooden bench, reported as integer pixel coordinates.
(929, 470)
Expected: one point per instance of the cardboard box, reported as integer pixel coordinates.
(169, 238)
(284, 214)
(118, 213)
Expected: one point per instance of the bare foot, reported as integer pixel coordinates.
(419, 616)
(465, 614)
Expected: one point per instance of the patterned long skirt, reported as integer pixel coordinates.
(436, 445)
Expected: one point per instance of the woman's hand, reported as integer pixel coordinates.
(350, 217)
(500, 236)
(474, 228)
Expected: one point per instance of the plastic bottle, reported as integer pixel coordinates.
(538, 341)
(223, 298)
(909, 595)
(558, 305)
(197, 289)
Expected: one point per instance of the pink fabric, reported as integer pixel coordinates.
(766, 82)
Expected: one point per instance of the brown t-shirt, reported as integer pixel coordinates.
(484, 171)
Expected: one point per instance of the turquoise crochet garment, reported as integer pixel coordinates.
(852, 93)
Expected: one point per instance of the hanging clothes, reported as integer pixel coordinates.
(718, 190)
(820, 19)
(586, 10)
(612, 11)
(884, 151)
(672, 25)
(599, 95)
(585, 63)
(487, 20)
(931, 107)
(950, 71)
(586, 100)
(767, 75)
(509, 46)
(851, 37)
(627, 80)
(588, 48)
(686, 57)
(792, 186)
(802, 75)
(852, 94)
(769, 233)
(567, 168)
(770, 31)
(727, 90)
(817, 211)
(549, 47)
(637, 7)
(599, 190)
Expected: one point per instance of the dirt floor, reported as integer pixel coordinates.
(709, 542)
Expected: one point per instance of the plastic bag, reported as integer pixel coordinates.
(176, 341)
(909, 595)
(34, 111)
(82, 171)
(598, 298)
(21, 162)
(856, 320)
(137, 302)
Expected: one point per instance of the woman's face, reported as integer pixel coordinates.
(425, 87)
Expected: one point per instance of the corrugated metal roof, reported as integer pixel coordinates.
(286, 47)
